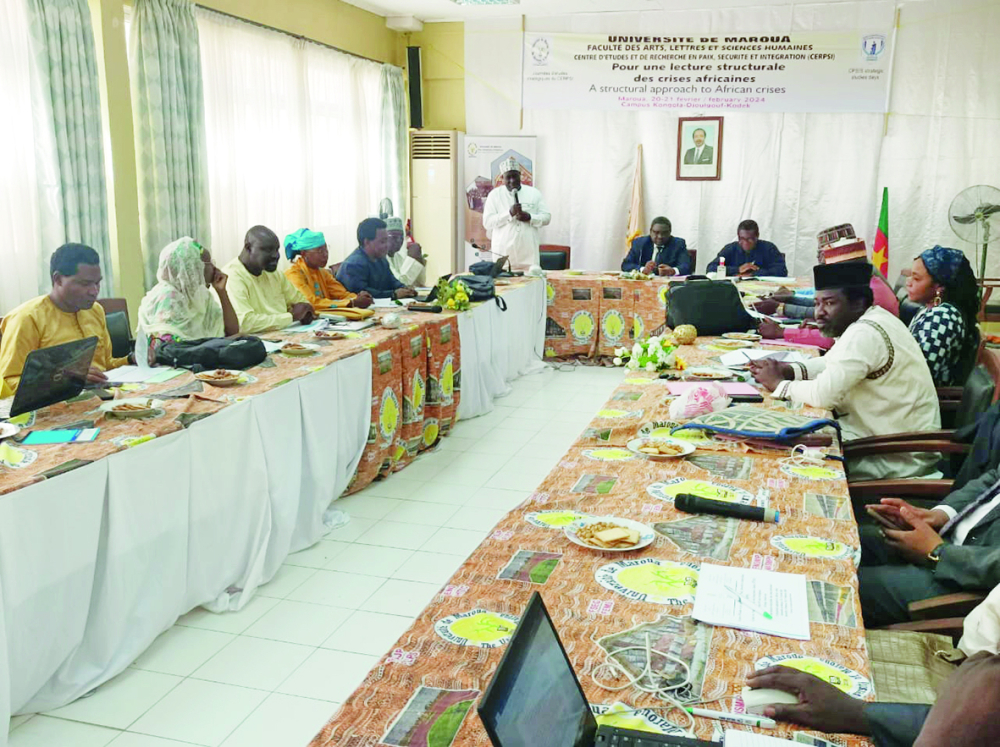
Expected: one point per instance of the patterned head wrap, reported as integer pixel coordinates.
(180, 304)
(508, 165)
(943, 263)
(302, 241)
(393, 224)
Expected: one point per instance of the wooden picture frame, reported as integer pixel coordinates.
(709, 165)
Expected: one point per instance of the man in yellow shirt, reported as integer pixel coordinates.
(307, 252)
(69, 312)
(262, 297)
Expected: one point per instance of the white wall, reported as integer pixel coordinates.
(794, 173)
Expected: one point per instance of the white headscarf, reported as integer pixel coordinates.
(180, 304)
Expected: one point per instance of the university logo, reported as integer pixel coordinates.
(873, 46)
(473, 149)
(540, 50)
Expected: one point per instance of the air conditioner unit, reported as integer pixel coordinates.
(435, 199)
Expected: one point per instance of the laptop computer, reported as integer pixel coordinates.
(54, 374)
(535, 699)
(432, 293)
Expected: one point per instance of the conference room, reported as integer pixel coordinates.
(427, 372)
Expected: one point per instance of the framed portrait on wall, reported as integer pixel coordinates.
(699, 148)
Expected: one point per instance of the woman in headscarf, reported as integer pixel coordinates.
(942, 280)
(307, 252)
(180, 306)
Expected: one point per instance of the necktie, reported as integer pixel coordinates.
(986, 496)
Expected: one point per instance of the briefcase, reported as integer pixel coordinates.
(712, 306)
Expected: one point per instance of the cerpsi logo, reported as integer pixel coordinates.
(540, 50)
(873, 46)
(473, 149)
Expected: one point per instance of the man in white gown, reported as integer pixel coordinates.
(512, 216)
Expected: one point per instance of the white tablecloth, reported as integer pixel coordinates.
(96, 563)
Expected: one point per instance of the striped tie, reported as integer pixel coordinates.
(987, 496)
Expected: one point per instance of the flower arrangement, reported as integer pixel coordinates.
(652, 354)
(453, 295)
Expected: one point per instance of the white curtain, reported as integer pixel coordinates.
(794, 173)
(21, 254)
(394, 141)
(293, 135)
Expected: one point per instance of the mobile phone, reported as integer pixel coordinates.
(885, 520)
(61, 436)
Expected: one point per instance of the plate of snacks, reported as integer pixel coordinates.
(133, 407)
(745, 336)
(660, 449)
(707, 374)
(220, 377)
(609, 534)
(731, 343)
(299, 348)
(329, 334)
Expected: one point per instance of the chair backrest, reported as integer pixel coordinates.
(118, 330)
(977, 396)
(554, 257)
(693, 254)
(111, 305)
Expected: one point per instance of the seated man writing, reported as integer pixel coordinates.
(914, 553)
(263, 298)
(749, 256)
(307, 252)
(659, 253)
(367, 269)
(69, 312)
(965, 715)
(409, 267)
(874, 379)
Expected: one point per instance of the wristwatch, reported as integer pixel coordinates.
(935, 555)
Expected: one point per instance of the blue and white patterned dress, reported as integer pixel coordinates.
(940, 333)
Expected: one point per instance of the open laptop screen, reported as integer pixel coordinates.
(534, 698)
(53, 375)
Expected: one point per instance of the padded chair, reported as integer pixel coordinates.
(111, 305)
(554, 257)
(121, 338)
(693, 254)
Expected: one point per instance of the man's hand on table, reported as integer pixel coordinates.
(770, 330)
(302, 312)
(748, 268)
(362, 301)
(649, 268)
(665, 271)
(769, 372)
(766, 305)
(821, 706)
(96, 376)
(405, 293)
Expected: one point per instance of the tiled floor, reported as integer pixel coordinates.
(272, 674)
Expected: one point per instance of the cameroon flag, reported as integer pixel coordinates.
(880, 255)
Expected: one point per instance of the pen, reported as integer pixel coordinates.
(743, 600)
(736, 718)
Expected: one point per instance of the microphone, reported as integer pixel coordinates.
(515, 198)
(693, 504)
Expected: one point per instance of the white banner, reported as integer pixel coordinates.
(794, 72)
(481, 173)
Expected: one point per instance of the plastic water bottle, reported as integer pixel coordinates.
(720, 270)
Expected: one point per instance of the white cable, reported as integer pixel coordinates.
(803, 456)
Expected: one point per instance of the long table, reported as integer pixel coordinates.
(589, 314)
(104, 545)
(432, 678)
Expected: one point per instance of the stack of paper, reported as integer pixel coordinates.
(137, 375)
(747, 599)
(739, 358)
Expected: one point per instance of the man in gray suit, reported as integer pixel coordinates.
(965, 715)
(913, 553)
(700, 154)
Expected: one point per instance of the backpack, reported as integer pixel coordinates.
(210, 353)
(482, 288)
(712, 306)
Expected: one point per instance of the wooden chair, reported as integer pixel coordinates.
(111, 305)
(944, 615)
(117, 319)
(693, 254)
(549, 258)
(989, 312)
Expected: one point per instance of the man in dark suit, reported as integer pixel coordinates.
(912, 553)
(659, 253)
(700, 154)
(966, 713)
(749, 256)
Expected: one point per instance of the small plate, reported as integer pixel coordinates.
(150, 406)
(707, 374)
(8, 429)
(731, 344)
(685, 448)
(307, 349)
(747, 336)
(646, 534)
(236, 377)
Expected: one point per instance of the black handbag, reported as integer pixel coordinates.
(712, 306)
(210, 353)
(482, 288)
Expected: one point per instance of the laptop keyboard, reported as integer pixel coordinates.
(615, 737)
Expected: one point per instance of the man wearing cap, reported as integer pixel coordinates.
(512, 216)
(408, 267)
(308, 253)
(874, 379)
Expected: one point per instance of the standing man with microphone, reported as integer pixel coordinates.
(512, 216)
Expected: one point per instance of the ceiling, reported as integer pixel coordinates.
(447, 10)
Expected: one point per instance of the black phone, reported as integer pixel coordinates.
(746, 397)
